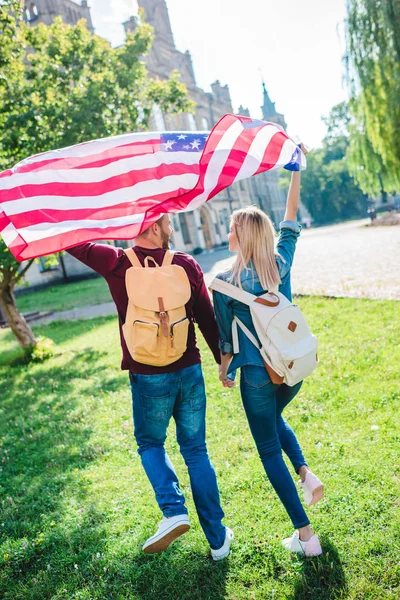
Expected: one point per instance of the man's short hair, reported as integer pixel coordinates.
(158, 222)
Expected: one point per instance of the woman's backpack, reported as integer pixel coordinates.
(288, 348)
(156, 324)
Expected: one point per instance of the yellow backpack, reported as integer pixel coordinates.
(156, 325)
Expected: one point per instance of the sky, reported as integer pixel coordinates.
(297, 47)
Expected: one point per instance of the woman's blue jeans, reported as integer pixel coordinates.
(264, 402)
(181, 395)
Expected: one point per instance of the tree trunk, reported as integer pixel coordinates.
(15, 320)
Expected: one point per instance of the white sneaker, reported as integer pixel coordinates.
(226, 548)
(313, 489)
(310, 548)
(169, 529)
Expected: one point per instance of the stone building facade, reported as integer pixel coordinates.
(45, 11)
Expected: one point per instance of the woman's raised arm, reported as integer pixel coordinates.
(293, 197)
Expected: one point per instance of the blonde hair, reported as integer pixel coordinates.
(256, 241)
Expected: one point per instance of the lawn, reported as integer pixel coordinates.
(66, 296)
(76, 505)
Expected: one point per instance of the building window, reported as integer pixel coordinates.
(31, 13)
(44, 265)
(204, 124)
(191, 122)
(158, 118)
(175, 223)
(184, 228)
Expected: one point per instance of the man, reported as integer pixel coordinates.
(177, 390)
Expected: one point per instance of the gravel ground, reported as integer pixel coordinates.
(350, 259)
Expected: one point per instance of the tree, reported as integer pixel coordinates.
(373, 70)
(328, 190)
(59, 86)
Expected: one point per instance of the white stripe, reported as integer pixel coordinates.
(97, 174)
(9, 234)
(253, 160)
(100, 145)
(217, 163)
(144, 189)
(46, 230)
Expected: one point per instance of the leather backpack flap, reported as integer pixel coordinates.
(145, 286)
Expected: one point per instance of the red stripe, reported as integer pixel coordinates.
(4, 221)
(75, 190)
(272, 152)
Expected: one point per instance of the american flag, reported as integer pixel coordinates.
(115, 188)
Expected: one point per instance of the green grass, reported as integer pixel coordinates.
(76, 506)
(66, 296)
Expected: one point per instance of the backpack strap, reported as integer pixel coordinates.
(235, 337)
(168, 258)
(237, 294)
(131, 254)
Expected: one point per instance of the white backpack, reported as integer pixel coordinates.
(288, 348)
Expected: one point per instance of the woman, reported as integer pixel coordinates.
(257, 269)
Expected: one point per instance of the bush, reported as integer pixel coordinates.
(39, 352)
(198, 250)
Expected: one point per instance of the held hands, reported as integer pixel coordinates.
(227, 383)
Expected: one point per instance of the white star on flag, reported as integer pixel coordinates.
(182, 137)
(196, 144)
(186, 147)
(169, 144)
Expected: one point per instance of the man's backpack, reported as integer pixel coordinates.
(156, 325)
(288, 348)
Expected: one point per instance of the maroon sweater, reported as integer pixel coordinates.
(112, 264)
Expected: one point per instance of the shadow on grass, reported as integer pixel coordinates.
(10, 350)
(55, 542)
(43, 447)
(321, 577)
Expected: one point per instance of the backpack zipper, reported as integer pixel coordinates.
(148, 323)
(171, 328)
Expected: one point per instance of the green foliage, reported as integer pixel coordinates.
(327, 188)
(373, 68)
(76, 504)
(39, 352)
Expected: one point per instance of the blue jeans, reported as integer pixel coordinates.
(155, 399)
(264, 402)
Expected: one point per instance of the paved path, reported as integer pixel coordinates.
(340, 260)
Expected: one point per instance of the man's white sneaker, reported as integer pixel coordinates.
(310, 548)
(313, 489)
(224, 551)
(169, 529)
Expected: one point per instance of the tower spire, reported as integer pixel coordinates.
(269, 112)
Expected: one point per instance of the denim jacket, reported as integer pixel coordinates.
(226, 308)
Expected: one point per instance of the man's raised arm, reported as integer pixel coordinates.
(102, 258)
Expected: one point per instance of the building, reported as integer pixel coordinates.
(45, 11)
(207, 227)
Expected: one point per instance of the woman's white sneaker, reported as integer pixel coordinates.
(313, 489)
(224, 551)
(311, 547)
(169, 529)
